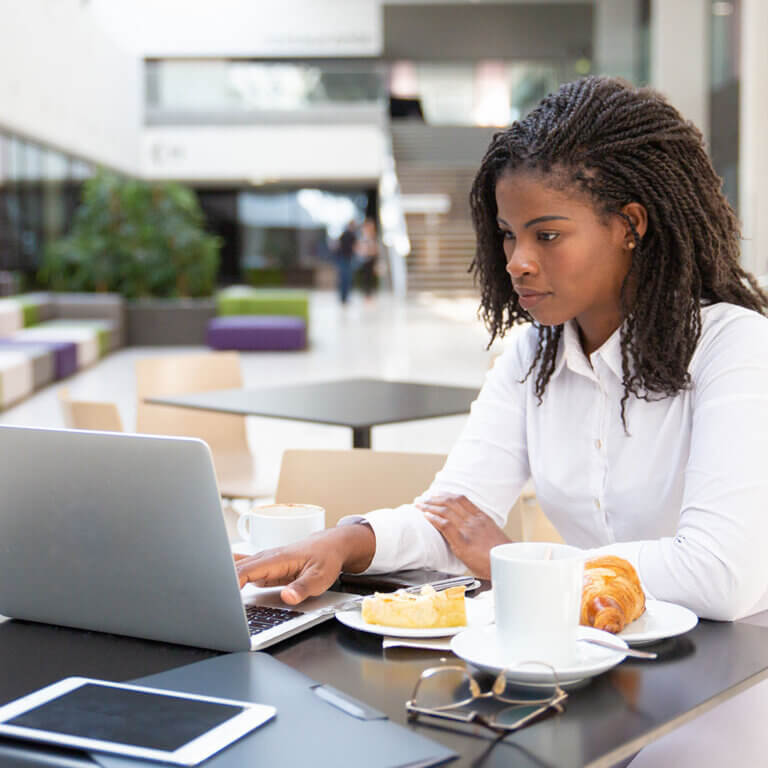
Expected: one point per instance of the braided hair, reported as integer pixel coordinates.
(619, 144)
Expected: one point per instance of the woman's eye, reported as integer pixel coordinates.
(548, 237)
(507, 235)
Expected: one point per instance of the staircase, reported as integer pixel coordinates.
(439, 160)
(441, 252)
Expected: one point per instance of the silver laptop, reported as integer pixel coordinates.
(124, 533)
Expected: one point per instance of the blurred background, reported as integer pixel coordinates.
(166, 164)
(288, 118)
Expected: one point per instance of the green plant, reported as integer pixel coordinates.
(134, 238)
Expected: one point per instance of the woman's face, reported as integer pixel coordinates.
(564, 261)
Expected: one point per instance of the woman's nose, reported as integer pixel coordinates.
(521, 263)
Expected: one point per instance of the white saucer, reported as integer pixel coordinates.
(481, 648)
(660, 620)
(479, 614)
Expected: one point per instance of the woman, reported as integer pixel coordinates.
(636, 398)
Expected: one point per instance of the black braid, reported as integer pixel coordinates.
(621, 144)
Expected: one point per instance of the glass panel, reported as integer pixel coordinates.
(724, 96)
(32, 157)
(243, 86)
(55, 171)
(55, 165)
(294, 228)
(14, 158)
(3, 158)
(478, 93)
(80, 170)
(725, 48)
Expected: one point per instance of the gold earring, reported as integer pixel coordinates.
(631, 245)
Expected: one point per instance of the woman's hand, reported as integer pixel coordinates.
(469, 532)
(310, 566)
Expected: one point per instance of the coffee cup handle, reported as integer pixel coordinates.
(242, 526)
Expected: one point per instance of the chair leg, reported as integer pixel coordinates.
(231, 514)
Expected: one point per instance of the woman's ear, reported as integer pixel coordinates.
(637, 214)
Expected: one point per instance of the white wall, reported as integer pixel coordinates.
(65, 83)
(263, 153)
(753, 126)
(166, 28)
(615, 40)
(680, 56)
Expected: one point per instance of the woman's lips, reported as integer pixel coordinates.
(528, 299)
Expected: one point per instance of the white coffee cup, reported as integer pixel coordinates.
(275, 525)
(537, 595)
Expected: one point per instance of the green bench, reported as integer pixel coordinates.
(243, 300)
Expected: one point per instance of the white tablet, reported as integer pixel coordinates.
(132, 720)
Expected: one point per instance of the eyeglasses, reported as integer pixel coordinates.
(443, 692)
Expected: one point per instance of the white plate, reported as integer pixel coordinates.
(481, 648)
(479, 613)
(660, 620)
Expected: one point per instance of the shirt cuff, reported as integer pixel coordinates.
(353, 520)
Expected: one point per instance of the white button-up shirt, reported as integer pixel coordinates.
(682, 493)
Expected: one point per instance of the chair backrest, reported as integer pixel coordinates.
(184, 374)
(86, 414)
(355, 481)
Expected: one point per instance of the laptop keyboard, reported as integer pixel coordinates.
(260, 617)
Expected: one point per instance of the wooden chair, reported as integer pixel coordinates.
(86, 414)
(356, 481)
(224, 433)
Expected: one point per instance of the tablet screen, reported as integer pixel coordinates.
(136, 718)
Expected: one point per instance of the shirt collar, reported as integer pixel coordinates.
(572, 355)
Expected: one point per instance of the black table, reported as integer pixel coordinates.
(611, 718)
(357, 403)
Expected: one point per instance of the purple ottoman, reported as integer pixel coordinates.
(64, 354)
(251, 332)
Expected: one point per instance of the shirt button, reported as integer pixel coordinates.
(598, 444)
(597, 503)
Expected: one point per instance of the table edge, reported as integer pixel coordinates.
(635, 745)
(173, 403)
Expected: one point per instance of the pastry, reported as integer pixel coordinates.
(612, 596)
(427, 610)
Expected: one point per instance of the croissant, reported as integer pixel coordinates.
(612, 595)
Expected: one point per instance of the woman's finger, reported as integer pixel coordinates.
(457, 517)
(446, 514)
(311, 582)
(446, 527)
(273, 567)
(467, 507)
(455, 505)
(428, 506)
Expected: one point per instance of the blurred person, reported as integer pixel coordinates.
(368, 252)
(345, 259)
(636, 397)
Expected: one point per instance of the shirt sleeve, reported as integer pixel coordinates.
(488, 465)
(716, 564)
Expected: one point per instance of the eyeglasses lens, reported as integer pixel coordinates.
(443, 689)
(509, 717)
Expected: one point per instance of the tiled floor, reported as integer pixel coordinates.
(427, 339)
